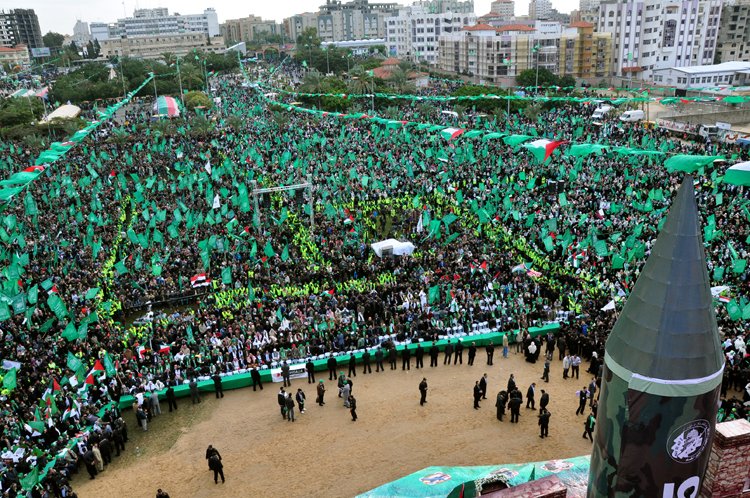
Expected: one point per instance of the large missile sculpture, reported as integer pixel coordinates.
(662, 372)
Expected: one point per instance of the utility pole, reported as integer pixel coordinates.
(179, 78)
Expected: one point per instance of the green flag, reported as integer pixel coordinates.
(434, 294)
(268, 250)
(57, 306)
(9, 381)
(70, 333)
(109, 366)
(73, 362)
(32, 478)
(226, 276)
(285, 253)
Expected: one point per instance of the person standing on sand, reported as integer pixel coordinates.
(423, 391)
(194, 391)
(477, 395)
(210, 451)
(214, 463)
(321, 393)
(161, 494)
(353, 407)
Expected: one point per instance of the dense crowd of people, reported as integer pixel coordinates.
(146, 215)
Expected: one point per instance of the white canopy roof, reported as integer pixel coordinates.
(399, 248)
(65, 111)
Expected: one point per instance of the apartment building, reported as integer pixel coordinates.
(413, 33)
(496, 56)
(657, 34)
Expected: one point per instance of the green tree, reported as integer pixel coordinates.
(53, 40)
(197, 99)
(20, 111)
(566, 81)
(528, 78)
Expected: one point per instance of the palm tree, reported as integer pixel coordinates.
(235, 122)
(281, 119)
(361, 81)
(191, 76)
(312, 83)
(33, 141)
(399, 80)
(169, 58)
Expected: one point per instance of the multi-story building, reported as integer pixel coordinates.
(20, 26)
(101, 31)
(731, 73)
(247, 28)
(413, 33)
(505, 9)
(154, 46)
(734, 32)
(7, 34)
(295, 25)
(14, 56)
(655, 34)
(540, 9)
(81, 33)
(150, 22)
(497, 55)
(355, 20)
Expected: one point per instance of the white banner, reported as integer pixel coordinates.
(296, 371)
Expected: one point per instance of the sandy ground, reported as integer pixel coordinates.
(324, 453)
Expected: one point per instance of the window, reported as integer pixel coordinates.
(670, 29)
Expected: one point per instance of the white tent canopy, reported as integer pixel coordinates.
(399, 248)
(65, 111)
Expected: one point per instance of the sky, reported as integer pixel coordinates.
(60, 16)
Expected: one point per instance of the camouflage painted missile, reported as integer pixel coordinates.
(663, 372)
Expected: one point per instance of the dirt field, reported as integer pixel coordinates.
(324, 453)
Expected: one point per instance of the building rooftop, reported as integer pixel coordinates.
(516, 27)
(17, 48)
(479, 27)
(732, 66)
(581, 24)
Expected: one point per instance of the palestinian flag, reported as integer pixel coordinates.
(452, 133)
(739, 174)
(96, 371)
(543, 148)
(164, 349)
(200, 280)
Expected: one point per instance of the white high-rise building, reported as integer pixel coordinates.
(656, 34)
(540, 9)
(504, 8)
(150, 22)
(412, 34)
(81, 33)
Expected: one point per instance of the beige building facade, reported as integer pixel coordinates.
(496, 56)
(153, 47)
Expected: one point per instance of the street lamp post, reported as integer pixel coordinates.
(328, 63)
(179, 78)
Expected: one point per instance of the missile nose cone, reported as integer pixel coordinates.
(667, 329)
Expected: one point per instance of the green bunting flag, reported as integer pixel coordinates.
(689, 163)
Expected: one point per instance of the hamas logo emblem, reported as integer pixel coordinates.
(687, 442)
(436, 478)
